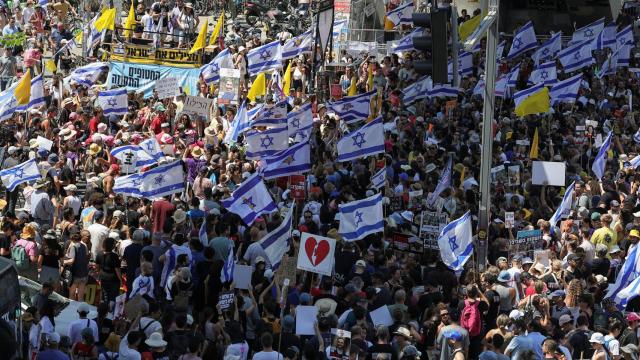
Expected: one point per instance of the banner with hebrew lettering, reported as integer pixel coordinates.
(142, 78)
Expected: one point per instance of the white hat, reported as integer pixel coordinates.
(516, 314)
(54, 337)
(84, 307)
(597, 338)
(71, 187)
(614, 249)
(361, 263)
(12, 149)
(155, 340)
(118, 213)
(407, 215)
(295, 233)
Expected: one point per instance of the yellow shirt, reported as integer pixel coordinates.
(605, 236)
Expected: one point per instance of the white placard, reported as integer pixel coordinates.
(242, 276)
(580, 128)
(381, 316)
(524, 142)
(197, 105)
(44, 143)
(591, 123)
(548, 171)
(316, 254)
(509, 219)
(542, 256)
(167, 88)
(305, 319)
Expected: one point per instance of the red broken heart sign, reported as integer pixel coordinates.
(321, 250)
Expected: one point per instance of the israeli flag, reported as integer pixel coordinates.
(265, 143)
(254, 111)
(14, 176)
(113, 102)
(589, 32)
(405, 44)
(443, 184)
(628, 274)
(576, 57)
(625, 36)
(465, 65)
(545, 74)
(8, 102)
(500, 87)
(418, 90)
(239, 125)
(444, 91)
(132, 157)
(379, 179)
(300, 121)
(549, 48)
(264, 58)
(456, 242)
(361, 218)
(163, 180)
(401, 15)
(606, 38)
(152, 147)
(226, 274)
(275, 116)
(37, 94)
(512, 76)
(565, 206)
(523, 41)
(295, 46)
(635, 162)
(623, 55)
(610, 65)
(565, 90)
(338, 26)
(250, 200)
(600, 162)
(211, 71)
(128, 185)
(351, 109)
(636, 137)
(366, 141)
(87, 75)
(627, 294)
(276, 243)
(292, 161)
(202, 233)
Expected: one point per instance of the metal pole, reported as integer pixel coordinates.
(487, 140)
(454, 45)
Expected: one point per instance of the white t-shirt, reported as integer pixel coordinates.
(98, 233)
(238, 349)
(125, 352)
(76, 327)
(268, 355)
(150, 326)
(613, 345)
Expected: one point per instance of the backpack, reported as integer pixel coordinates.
(470, 318)
(19, 256)
(181, 300)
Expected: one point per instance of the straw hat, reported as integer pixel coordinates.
(41, 183)
(66, 102)
(179, 216)
(155, 340)
(94, 149)
(196, 151)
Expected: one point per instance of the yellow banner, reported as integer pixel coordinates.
(142, 54)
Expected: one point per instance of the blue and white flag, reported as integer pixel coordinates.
(456, 242)
(152, 147)
(444, 91)
(295, 46)
(226, 274)
(628, 274)
(404, 44)
(239, 125)
(576, 56)
(113, 102)
(401, 15)
(549, 48)
(37, 94)
(300, 121)
(545, 74)
(8, 102)
(211, 71)
(623, 55)
(500, 87)
(417, 91)
(635, 162)
(14, 176)
(163, 180)
(610, 65)
(523, 41)
(500, 49)
(589, 32)
(275, 116)
(565, 90)
(132, 158)
(443, 184)
(366, 141)
(627, 294)
(379, 179)
(512, 76)
(128, 185)
(202, 233)
(636, 136)
(351, 109)
(264, 58)
(625, 36)
(87, 75)
(600, 162)
(265, 143)
(250, 200)
(276, 243)
(338, 26)
(254, 111)
(606, 38)
(292, 161)
(361, 218)
(465, 65)
(564, 208)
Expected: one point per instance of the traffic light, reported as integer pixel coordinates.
(435, 43)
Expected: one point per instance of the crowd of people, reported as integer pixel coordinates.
(168, 257)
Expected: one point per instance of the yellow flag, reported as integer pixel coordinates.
(217, 30)
(388, 24)
(23, 89)
(286, 80)
(78, 37)
(468, 27)
(353, 89)
(536, 103)
(50, 65)
(201, 41)
(370, 78)
(107, 20)
(533, 154)
(258, 88)
(130, 23)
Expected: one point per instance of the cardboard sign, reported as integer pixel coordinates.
(287, 269)
(431, 224)
(336, 91)
(166, 88)
(242, 276)
(197, 105)
(316, 254)
(548, 171)
(513, 173)
(226, 300)
(297, 185)
(229, 85)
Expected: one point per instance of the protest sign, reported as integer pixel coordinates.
(513, 173)
(229, 85)
(287, 269)
(415, 200)
(242, 276)
(226, 299)
(142, 78)
(397, 204)
(509, 219)
(336, 91)
(167, 88)
(197, 105)
(316, 254)
(551, 173)
(44, 143)
(381, 316)
(407, 242)
(340, 344)
(499, 175)
(306, 317)
(431, 224)
(522, 142)
(297, 183)
(526, 243)
(118, 309)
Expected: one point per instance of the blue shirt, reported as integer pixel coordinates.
(51, 354)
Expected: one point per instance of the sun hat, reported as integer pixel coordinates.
(564, 319)
(155, 340)
(326, 306)
(54, 337)
(71, 187)
(179, 216)
(94, 149)
(504, 276)
(41, 183)
(597, 338)
(403, 331)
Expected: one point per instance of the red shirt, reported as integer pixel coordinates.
(160, 210)
(93, 125)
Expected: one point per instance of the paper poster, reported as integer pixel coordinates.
(499, 175)
(543, 257)
(166, 88)
(523, 142)
(316, 254)
(548, 172)
(415, 200)
(381, 316)
(598, 141)
(431, 224)
(118, 309)
(513, 172)
(44, 143)
(336, 91)
(509, 219)
(306, 316)
(297, 185)
(226, 299)
(229, 85)
(197, 105)
(340, 344)
(242, 276)
(592, 123)
(287, 269)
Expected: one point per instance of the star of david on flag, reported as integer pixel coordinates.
(354, 225)
(456, 242)
(113, 102)
(292, 161)
(264, 58)
(21, 173)
(163, 180)
(523, 41)
(366, 141)
(351, 109)
(265, 143)
(250, 200)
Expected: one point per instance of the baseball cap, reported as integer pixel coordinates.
(564, 319)
(597, 338)
(558, 293)
(595, 216)
(84, 308)
(54, 337)
(361, 263)
(632, 317)
(635, 233)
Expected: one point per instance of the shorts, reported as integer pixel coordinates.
(49, 274)
(80, 281)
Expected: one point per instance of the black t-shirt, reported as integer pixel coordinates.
(494, 308)
(579, 340)
(108, 263)
(382, 351)
(600, 266)
(51, 256)
(132, 257)
(5, 243)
